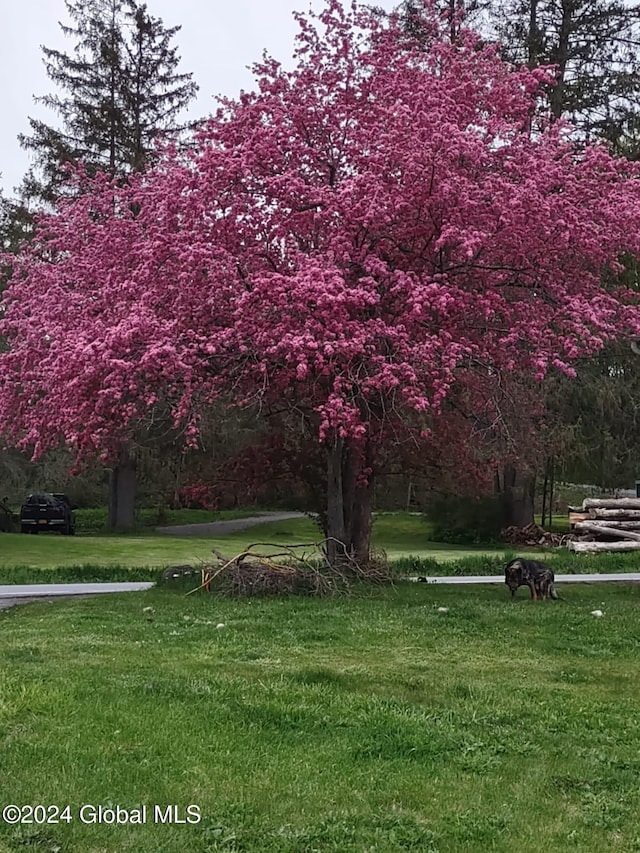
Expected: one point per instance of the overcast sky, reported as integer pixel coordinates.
(218, 40)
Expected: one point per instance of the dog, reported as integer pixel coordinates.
(537, 576)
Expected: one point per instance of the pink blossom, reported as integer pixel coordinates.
(362, 236)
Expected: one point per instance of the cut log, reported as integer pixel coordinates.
(610, 522)
(597, 547)
(627, 514)
(575, 517)
(611, 503)
(601, 530)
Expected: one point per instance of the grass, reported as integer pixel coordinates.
(371, 723)
(404, 537)
(50, 550)
(399, 534)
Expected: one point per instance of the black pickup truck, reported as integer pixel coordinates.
(44, 512)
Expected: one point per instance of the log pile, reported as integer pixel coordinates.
(531, 536)
(605, 524)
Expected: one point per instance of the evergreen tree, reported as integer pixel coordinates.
(595, 48)
(119, 90)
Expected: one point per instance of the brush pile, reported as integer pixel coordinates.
(291, 569)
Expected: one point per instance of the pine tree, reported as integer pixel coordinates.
(595, 48)
(119, 90)
(154, 93)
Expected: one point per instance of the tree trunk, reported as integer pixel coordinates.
(624, 514)
(518, 490)
(560, 57)
(361, 529)
(533, 36)
(363, 508)
(122, 494)
(552, 464)
(349, 502)
(591, 527)
(611, 503)
(411, 495)
(336, 544)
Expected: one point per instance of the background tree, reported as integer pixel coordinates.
(350, 243)
(597, 419)
(118, 92)
(594, 46)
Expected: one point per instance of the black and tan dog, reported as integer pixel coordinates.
(537, 576)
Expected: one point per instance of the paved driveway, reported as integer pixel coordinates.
(25, 593)
(624, 577)
(224, 528)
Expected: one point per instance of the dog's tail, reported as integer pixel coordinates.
(554, 595)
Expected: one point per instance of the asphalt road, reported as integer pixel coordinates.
(225, 528)
(624, 577)
(11, 594)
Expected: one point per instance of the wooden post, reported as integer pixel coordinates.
(544, 492)
(551, 488)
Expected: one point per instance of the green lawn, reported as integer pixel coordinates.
(148, 518)
(399, 535)
(347, 725)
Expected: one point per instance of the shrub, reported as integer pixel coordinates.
(199, 496)
(413, 565)
(466, 521)
(90, 520)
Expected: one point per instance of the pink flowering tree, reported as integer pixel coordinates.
(356, 242)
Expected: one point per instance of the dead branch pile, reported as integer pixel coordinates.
(532, 536)
(292, 569)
